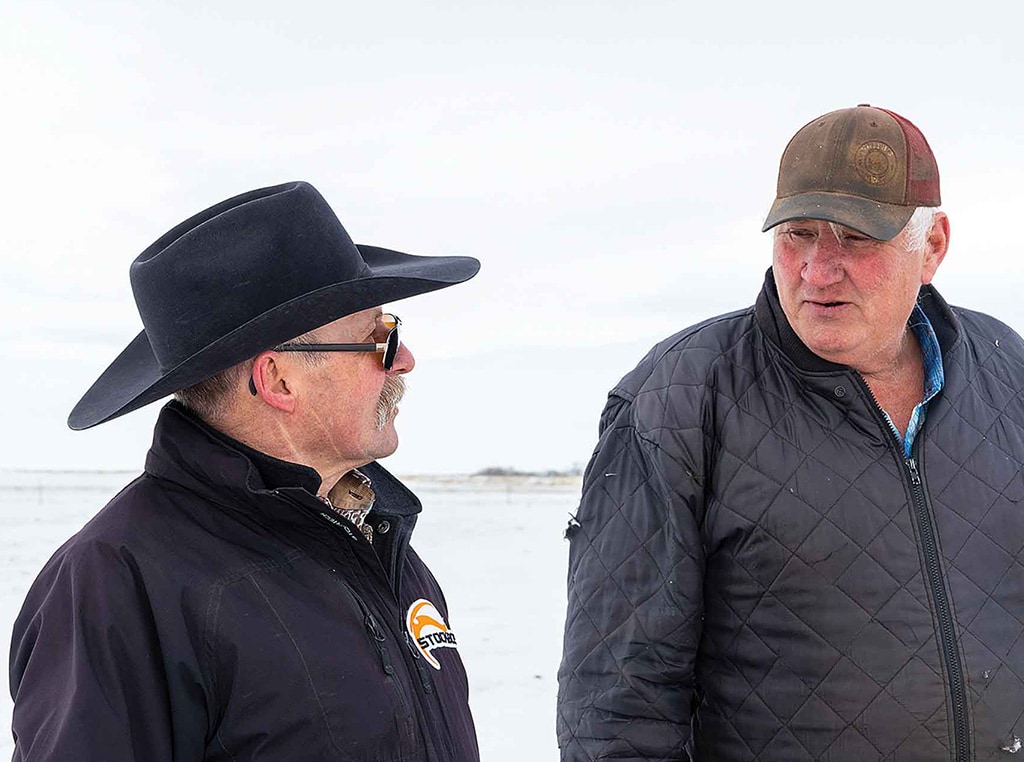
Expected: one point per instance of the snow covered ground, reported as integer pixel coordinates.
(494, 543)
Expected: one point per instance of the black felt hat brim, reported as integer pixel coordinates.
(135, 378)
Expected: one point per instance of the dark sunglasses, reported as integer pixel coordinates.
(389, 346)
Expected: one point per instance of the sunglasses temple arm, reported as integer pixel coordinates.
(380, 347)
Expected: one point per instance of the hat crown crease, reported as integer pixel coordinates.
(224, 270)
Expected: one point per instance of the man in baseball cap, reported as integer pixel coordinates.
(252, 595)
(800, 536)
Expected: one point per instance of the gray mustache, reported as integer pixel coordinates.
(390, 395)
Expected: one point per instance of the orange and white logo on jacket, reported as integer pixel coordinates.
(428, 630)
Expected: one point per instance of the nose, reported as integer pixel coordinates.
(823, 261)
(404, 360)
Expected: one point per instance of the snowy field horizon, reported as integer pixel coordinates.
(465, 519)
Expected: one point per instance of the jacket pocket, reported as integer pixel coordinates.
(308, 671)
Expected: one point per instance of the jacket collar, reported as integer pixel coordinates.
(202, 459)
(273, 472)
(776, 327)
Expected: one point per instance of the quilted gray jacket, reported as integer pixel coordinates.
(758, 573)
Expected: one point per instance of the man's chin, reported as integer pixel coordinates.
(387, 452)
(838, 352)
(388, 440)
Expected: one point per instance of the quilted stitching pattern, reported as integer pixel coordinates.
(747, 583)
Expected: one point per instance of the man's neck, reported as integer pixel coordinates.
(274, 470)
(898, 387)
(277, 442)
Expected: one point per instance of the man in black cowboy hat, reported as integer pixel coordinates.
(253, 595)
(801, 535)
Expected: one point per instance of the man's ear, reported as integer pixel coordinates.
(936, 246)
(268, 378)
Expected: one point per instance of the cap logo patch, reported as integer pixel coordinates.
(875, 162)
(428, 630)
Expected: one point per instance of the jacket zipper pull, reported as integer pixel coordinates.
(428, 686)
(915, 477)
(378, 639)
(412, 646)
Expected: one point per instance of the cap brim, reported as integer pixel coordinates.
(135, 378)
(881, 221)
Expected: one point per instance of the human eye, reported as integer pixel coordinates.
(380, 332)
(797, 233)
(858, 240)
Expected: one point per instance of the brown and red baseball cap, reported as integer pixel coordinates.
(865, 168)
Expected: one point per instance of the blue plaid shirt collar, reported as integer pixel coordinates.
(934, 377)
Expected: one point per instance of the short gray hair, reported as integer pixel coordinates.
(209, 398)
(915, 232)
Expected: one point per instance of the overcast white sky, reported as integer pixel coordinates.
(609, 164)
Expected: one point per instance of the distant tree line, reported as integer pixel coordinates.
(504, 471)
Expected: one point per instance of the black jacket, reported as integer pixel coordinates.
(202, 616)
(758, 573)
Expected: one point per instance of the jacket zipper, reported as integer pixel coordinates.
(421, 669)
(378, 638)
(371, 624)
(940, 595)
(377, 632)
(398, 550)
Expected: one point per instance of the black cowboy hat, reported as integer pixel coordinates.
(244, 276)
